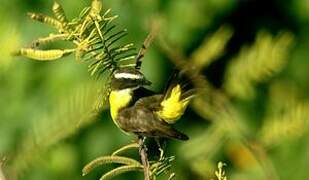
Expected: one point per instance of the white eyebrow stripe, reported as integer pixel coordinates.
(127, 76)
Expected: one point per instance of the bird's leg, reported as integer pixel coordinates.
(161, 149)
(144, 158)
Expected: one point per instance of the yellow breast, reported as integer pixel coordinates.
(118, 100)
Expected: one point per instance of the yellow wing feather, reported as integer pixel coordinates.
(173, 107)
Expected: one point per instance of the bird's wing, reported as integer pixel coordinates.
(152, 103)
(141, 93)
(167, 108)
(143, 121)
(171, 105)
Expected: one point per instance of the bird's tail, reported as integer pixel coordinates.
(176, 98)
(180, 80)
(175, 134)
(172, 133)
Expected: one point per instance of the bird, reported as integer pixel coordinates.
(137, 110)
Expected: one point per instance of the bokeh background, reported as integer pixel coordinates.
(254, 116)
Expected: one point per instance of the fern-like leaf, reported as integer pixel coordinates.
(161, 166)
(59, 13)
(108, 160)
(104, 53)
(257, 63)
(212, 48)
(46, 20)
(287, 115)
(92, 32)
(75, 112)
(44, 55)
(120, 170)
(125, 148)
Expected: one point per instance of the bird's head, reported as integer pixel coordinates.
(128, 78)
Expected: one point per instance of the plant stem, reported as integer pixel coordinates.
(144, 158)
(155, 27)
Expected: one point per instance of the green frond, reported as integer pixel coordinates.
(257, 63)
(90, 14)
(104, 49)
(84, 12)
(161, 166)
(99, 47)
(120, 170)
(92, 32)
(46, 20)
(157, 168)
(286, 118)
(125, 148)
(71, 114)
(280, 127)
(43, 55)
(172, 176)
(59, 13)
(108, 160)
(49, 39)
(212, 47)
(96, 7)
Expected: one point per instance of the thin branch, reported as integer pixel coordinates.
(155, 26)
(144, 158)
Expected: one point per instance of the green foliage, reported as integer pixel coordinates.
(74, 112)
(230, 130)
(120, 170)
(286, 117)
(111, 159)
(254, 64)
(256, 121)
(212, 47)
(157, 167)
(93, 35)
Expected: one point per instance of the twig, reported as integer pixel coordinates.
(144, 158)
(155, 26)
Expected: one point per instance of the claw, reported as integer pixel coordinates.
(161, 154)
(160, 149)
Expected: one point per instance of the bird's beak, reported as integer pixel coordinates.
(146, 82)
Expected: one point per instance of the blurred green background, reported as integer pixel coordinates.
(255, 54)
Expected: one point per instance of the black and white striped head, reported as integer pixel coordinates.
(128, 78)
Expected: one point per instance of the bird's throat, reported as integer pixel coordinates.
(119, 99)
